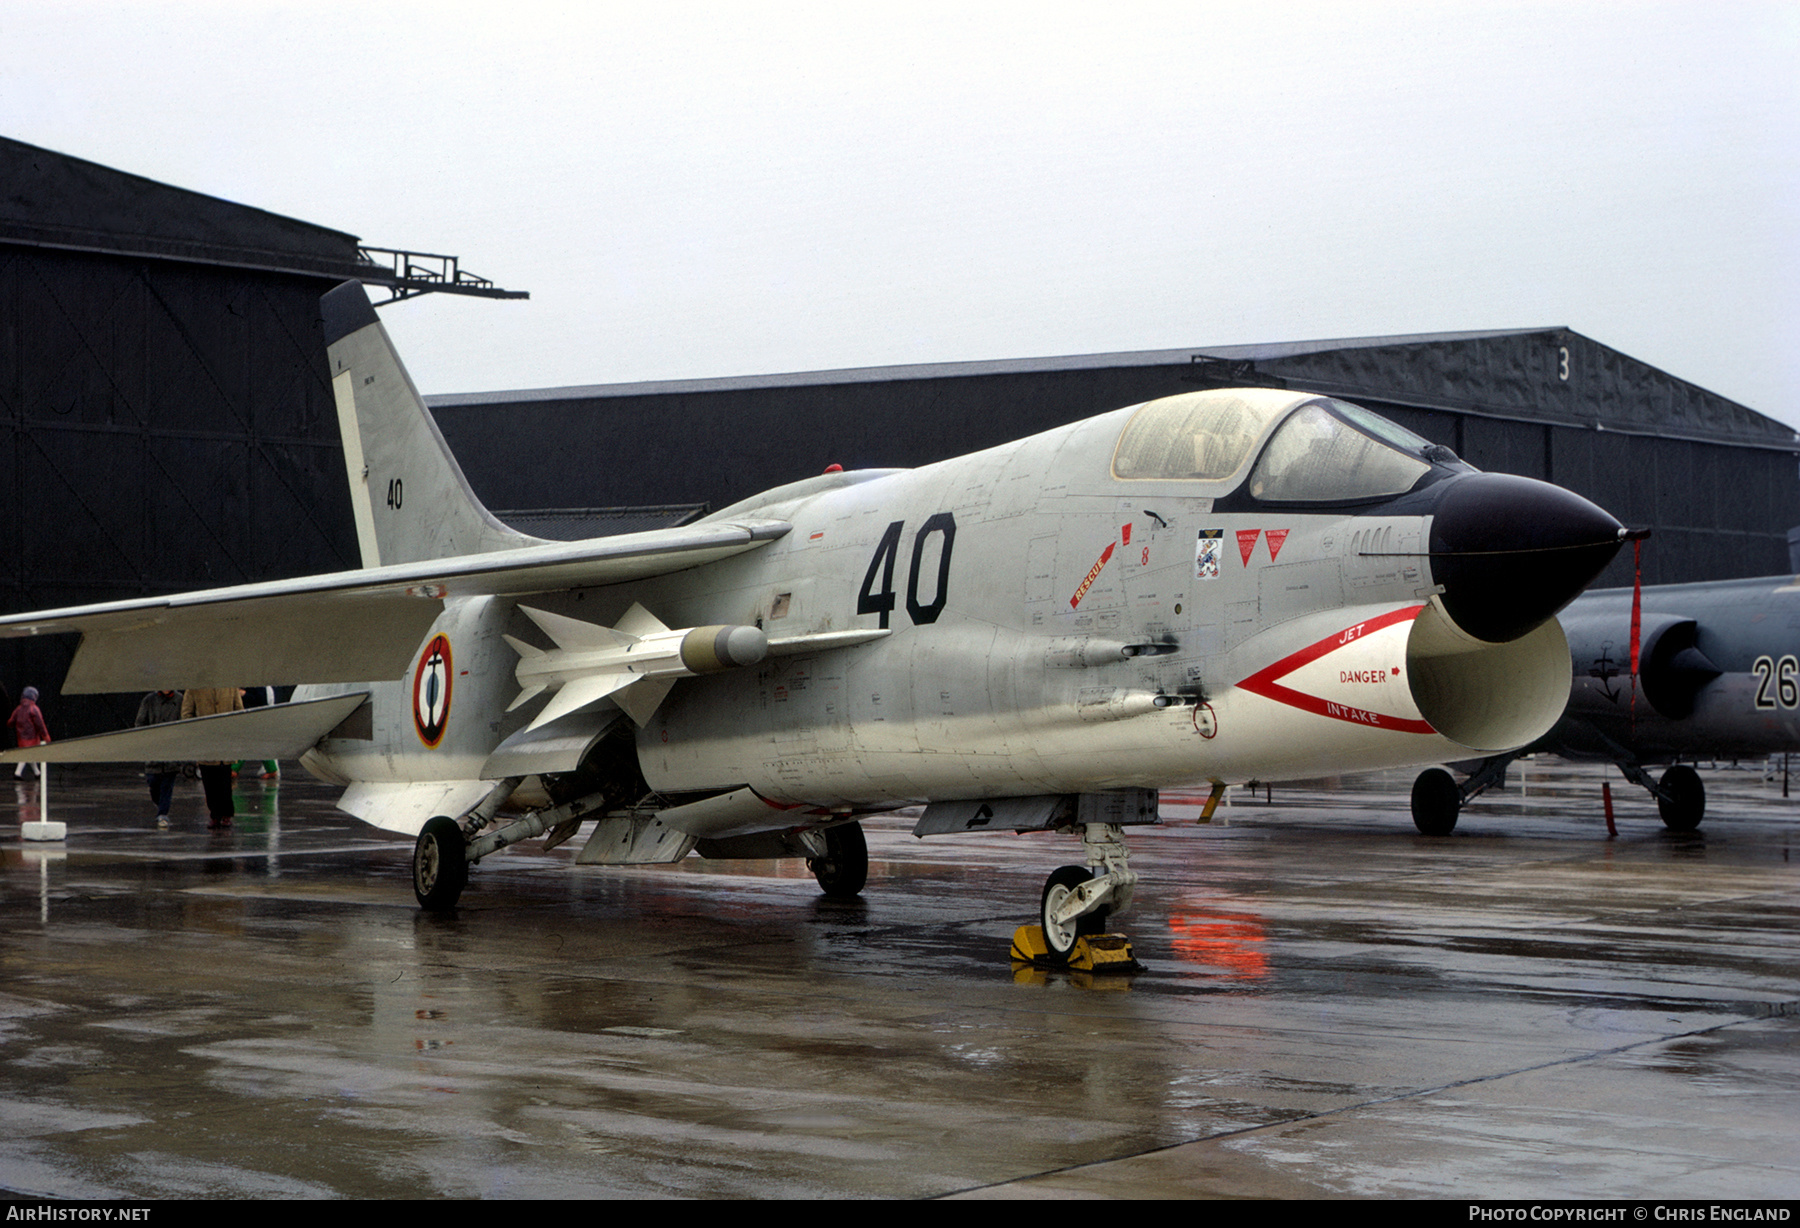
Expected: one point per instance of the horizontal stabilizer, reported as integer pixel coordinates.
(283, 731)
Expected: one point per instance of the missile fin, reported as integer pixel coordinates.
(524, 650)
(579, 693)
(525, 696)
(573, 633)
(641, 699)
(638, 622)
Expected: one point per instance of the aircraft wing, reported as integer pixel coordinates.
(347, 626)
(280, 731)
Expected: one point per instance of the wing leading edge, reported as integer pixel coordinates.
(348, 626)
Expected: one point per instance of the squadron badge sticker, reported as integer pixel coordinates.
(431, 691)
(1206, 554)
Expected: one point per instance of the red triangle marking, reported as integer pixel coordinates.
(1247, 543)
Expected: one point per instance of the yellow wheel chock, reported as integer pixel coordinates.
(1101, 953)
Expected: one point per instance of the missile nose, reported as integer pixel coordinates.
(708, 650)
(1510, 552)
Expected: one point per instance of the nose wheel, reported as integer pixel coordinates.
(1061, 935)
(1079, 900)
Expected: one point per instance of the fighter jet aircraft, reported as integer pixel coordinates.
(1717, 677)
(1208, 588)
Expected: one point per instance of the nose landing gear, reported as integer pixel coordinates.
(1077, 902)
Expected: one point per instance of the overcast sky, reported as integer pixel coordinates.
(699, 190)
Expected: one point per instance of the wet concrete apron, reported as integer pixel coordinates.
(1332, 1005)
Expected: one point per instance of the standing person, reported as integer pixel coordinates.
(158, 708)
(215, 778)
(27, 721)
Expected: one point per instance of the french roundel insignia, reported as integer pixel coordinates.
(431, 691)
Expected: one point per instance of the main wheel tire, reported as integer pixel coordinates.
(1436, 801)
(1061, 939)
(844, 869)
(1685, 804)
(440, 865)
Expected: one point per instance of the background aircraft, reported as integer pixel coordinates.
(1213, 587)
(1718, 677)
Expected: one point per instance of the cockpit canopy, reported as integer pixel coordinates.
(1319, 449)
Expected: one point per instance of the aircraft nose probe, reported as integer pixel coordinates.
(1510, 551)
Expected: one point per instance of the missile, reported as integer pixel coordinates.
(634, 663)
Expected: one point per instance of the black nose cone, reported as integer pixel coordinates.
(1510, 551)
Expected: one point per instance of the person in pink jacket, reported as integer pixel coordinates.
(27, 723)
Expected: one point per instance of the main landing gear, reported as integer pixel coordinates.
(447, 847)
(1078, 900)
(440, 865)
(1680, 794)
(841, 863)
(1437, 799)
(1436, 802)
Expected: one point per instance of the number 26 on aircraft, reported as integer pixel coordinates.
(1783, 676)
(871, 601)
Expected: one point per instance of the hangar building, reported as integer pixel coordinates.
(166, 421)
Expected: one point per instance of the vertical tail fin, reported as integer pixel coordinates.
(408, 494)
